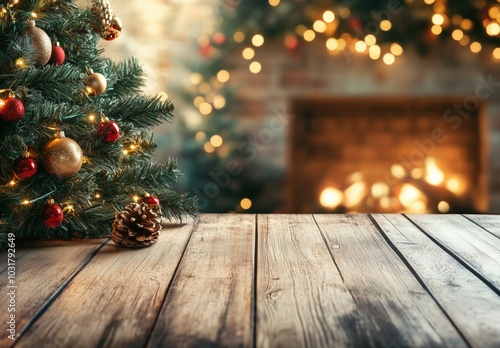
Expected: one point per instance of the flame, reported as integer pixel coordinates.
(455, 186)
(331, 198)
(380, 189)
(434, 175)
(354, 194)
(409, 195)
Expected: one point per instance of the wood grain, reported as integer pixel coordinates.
(469, 243)
(115, 300)
(488, 222)
(210, 301)
(393, 309)
(41, 271)
(472, 305)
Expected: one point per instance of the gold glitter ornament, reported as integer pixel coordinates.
(41, 43)
(107, 25)
(62, 157)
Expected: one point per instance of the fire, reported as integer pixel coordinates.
(331, 198)
(434, 175)
(411, 198)
(354, 194)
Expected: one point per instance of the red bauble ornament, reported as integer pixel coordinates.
(11, 109)
(58, 55)
(108, 131)
(151, 200)
(25, 166)
(52, 215)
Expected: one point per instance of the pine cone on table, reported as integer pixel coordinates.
(137, 226)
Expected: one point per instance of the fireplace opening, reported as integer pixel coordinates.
(387, 155)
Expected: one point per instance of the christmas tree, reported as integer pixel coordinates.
(76, 138)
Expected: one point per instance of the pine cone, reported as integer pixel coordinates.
(104, 22)
(137, 226)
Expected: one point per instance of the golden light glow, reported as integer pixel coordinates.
(257, 40)
(239, 37)
(205, 108)
(438, 19)
(125, 152)
(443, 207)
(396, 49)
(457, 34)
(464, 41)
(417, 173)
(20, 63)
(385, 25)
(439, 7)
(309, 35)
(433, 175)
(319, 26)
(455, 186)
(332, 44)
(245, 204)
(216, 140)
(475, 47)
(136, 198)
(219, 102)
(496, 53)
(223, 76)
(300, 29)
(360, 46)
(274, 2)
(398, 171)
(493, 12)
(374, 52)
(70, 208)
(248, 53)
(370, 40)
(380, 189)
(389, 59)
(493, 29)
(331, 198)
(429, 2)
(409, 194)
(26, 202)
(12, 183)
(345, 12)
(342, 44)
(97, 196)
(204, 87)
(34, 15)
(353, 195)
(328, 16)
(200, 136)
(203, 40)
(209, 148)
(196, 78)
(92, 117)
(255, 67)
(466, 24)
(436, 29)
(198, 101)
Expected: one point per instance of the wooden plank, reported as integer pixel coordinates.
(43, 269)
(472, 245)
(490, 223)
(393, 305)
(352, 291)
(116, 298)
(472, 305)
(210, 300)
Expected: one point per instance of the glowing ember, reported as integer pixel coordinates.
(434, 175)
(354, 194)
(331, 198)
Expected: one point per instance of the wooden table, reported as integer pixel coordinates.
(267, 281)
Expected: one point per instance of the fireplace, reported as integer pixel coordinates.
(407, 154)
